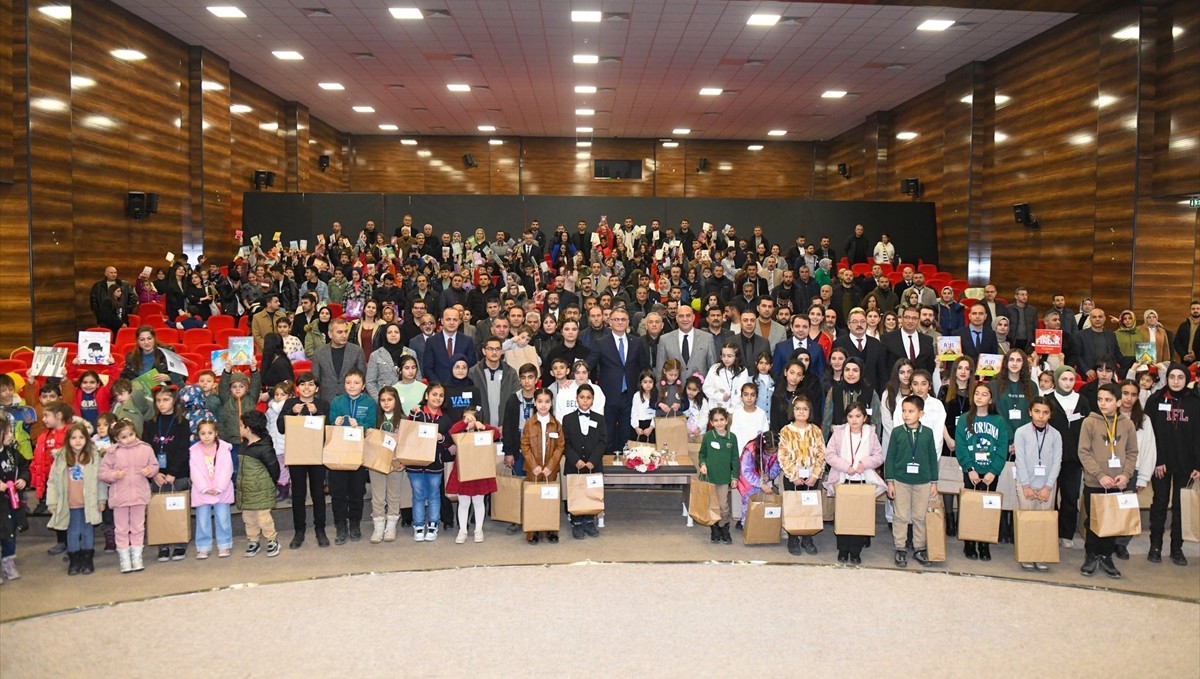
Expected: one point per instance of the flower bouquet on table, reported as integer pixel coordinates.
(642, 458)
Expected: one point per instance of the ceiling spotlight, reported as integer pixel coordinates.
(776, 133)
(128, 55)
(331, 86)
(585, 16)
(226, 12)
(681, 131)
(458, 87)
(762, 20)
(389, 127)
(240, 108)
(56, 11)
(495, 142)
(288, 55)
(670, 144)
(408, 142)
(585, 89)
(710, 91)
(754, 147)
(487, 128)
(833, 94)
(586, 59)
(935, 25)
(583, 130)
(364, 109)
(905, 136)
(585, 111)
(406, 13)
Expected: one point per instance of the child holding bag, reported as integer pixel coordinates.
(981, 445)
(542, 446)
(125, 468)
(470, 493)
(1038, 450)
(75, 497)
(385, 488)
(802, 459)
(719, 463)
(211, 463)
(911, 467)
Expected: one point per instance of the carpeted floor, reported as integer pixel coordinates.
(592, 620)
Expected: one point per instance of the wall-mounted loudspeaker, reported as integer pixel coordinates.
(135, 204)
(469, 161)
(1022, 215)
(702, 166)
(844, 170)
(323, 162)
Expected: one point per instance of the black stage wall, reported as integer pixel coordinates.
(911, 226)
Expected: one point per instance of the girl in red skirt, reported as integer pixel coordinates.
(470, 493)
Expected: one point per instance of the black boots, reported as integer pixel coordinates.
(340, 533)
(73, 558)
(952, 524)
(86, 561)
(1006, 527)
(322, 539)
(985, 551)
(714, 534)
(794, 545)
(970, 551)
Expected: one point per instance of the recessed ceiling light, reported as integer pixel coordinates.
(408, 142)
(583, 144)
(833, 94)
(227, 12)
(776, 133)
(589, 16)
(406, 13)
(288, 55)
(364, 109)
(586, 59)
(935, 25)
(240, 108)
(424, 153)
(1105, 100)
(389, 127)
(585, 89)
(670, 144)
(80, 82)
(458, 87)
(1001, 99)
(56, 11)
(331, 86)
(754, 147)
(583, 130)
(487, 128)
(1000, 136)
(1127, 33)
(585, 111)
(762, 20)
(905, 136)
(268, 127)
(128, 55)
(210, 86)
(495, 142)
(681, 130)
(710, 91)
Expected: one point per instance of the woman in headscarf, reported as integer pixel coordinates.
(849, 389)
(1128, 335)
(383, 365)
(824, 273)
(316, 334)
(1067, 412)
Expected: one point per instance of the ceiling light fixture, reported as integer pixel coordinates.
(388, 127)
(833, 94)
(754, 147)
(905, 136)
(364, 109)
(1001, 99)
(710, 91)
(227, 12)
(487, 128)
(56, 11)
(495, 142)
(331, 86)
(288, 55)
(585, 89)
(408, 142)
(240, 108)
(458, 87)
(406, 13)
(583, 130)
(762, 20)
(681, 131)
(586, 59)
(776, 133)
(587, 16)
(935, 24)
(585, 111)
(128, 55)
(670, 144)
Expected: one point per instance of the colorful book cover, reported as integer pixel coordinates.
(175, 362)
(1147, 353)
(147, 380)
(949, 347)
(241, 351)
(220, 360)
(989, 365)
(49, 361)
(1048, 341)
(94, 347)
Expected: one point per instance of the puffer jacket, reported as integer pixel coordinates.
(133, 490)
(257, 474)
(57, 500)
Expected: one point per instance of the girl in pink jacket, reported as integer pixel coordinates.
(125, 468)
(211, 465)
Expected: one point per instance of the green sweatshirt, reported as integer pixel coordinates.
(988, 439)
(1011, 401)
(719, 454)
(912, 446)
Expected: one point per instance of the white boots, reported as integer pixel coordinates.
(135, 556)
(389, 529)
(377, 533)
(126, 563)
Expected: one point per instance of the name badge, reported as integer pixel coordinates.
(162, 460)
(1074, 417)
(803, 473)
(715, 445)
(1164, 407)
(869, 413)
(981, 457)
(553, 434)
(1039, 470)
(914, 468)
(1014, 414)
(1114, 463)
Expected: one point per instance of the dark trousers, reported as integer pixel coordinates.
(1070, 478)
(308, 478)
(616, 419)
(1093, 544)
(346, 490)
(1167, 490)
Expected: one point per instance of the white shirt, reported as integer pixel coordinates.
(916, 342)
(691, 339)
(746, 426)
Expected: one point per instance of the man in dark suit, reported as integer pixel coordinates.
(798, 339)
(616, 359)
(1093, 343)
(748, 341)
(439, 347)
(870, 350)
(908, 342)
(978, 337)
(529, 251)
(995, 308)
(584, 446)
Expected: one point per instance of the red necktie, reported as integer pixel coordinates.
(860, 344)
(450, 345)
(912, 351)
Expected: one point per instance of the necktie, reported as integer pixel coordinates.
(860, 344)
(450, 345)
(912, 350)
(687, 351)
(976, 333)
(621, 351)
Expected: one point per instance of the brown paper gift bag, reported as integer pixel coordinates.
(1146, 496)
(950, 475)
(343, 448)
(169, 518)
(979, 516)
(802, 512)
(585, 494)
(1115, 514)
(379, 449)
(506, 501)
(304, 439)
(763, 520)
(702, 501)
(1035, 536)
(672, 432)
(416, 442)
(1006, 485)
(476, 455)
(828, 506)
(540, 506)
(854, 509)
(935, 530)
(1189, 512)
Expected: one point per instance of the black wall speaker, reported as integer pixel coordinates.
(702, 166)
(469, 161)
(135, 204)
(270, 179)
(844, 170)
(323, 162)
(910, 187)
(152, 203)
(1023, 215)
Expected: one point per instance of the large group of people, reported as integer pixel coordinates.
(791, 371)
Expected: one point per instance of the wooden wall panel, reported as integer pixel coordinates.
(671, 172)
(257, 142)
(16, 280)
(325, 140)
(846, 148)
(433, 165)
(7, 140)
(954, 211)
(209, 133)
(557, 167)
(1177, 144)
(778, 170)
(921, 157)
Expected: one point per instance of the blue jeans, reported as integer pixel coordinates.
(79, 532)
(205, 515)
(426, 488)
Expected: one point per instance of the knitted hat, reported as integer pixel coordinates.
(236, 377)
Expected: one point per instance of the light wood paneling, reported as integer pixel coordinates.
(257, 141)
(16, 279)
(7, 140)
(209, 125)
(325, 140)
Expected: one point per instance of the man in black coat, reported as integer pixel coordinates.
(908, 342)
(101, 289)
(583, 451)
(978, 337)
(616, 360)
(858, 344)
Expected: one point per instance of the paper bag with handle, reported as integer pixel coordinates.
(672, 432)
(950, 475)
(935, 530)
(764, 519)
(379, 449)
(702, 501)
(802, 512)
(585, 494)
(979, 516)
(506, 501)
(1035, 536)
(343, 448)
(1115, 514)
(540, 506)
(416, 442)
(169, 518)
(304, 439)
(854, 509)
(1189, 512)
(476, 455)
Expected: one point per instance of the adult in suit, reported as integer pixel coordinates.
(583, 451)
(978, 337)
(858, 344)
(616, 359)
(1095, 342)
(772, 274)
(692, 347)
(529, 251)
(799, 339)
(748, 341)
(440, 346)
(909, 342)
(995, 309)
(767, 326)
(332, 361)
